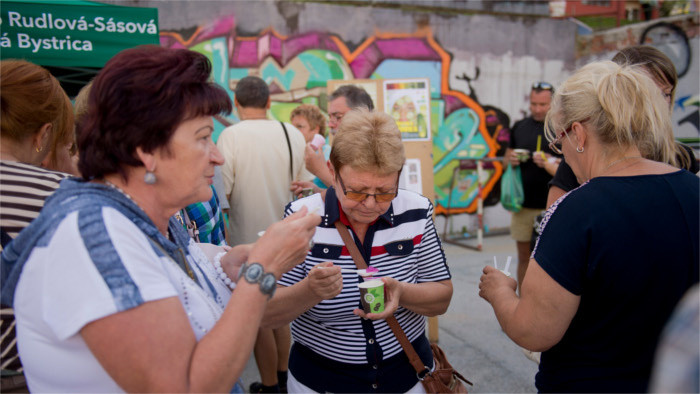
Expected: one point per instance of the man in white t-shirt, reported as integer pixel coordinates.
(257, 163)
(261, 159)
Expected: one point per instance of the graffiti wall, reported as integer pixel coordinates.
(297, 68)
(480, 68)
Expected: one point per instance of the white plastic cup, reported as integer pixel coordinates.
(318, 141)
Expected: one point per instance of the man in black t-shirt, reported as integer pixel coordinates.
(528, 134)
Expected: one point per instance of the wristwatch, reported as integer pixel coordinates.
(254, 273)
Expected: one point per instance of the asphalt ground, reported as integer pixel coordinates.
(469, 333)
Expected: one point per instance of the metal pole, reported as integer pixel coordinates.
(480, 205)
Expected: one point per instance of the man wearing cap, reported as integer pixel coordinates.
(528, 134)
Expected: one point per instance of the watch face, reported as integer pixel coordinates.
(253, 273)
(268, 283)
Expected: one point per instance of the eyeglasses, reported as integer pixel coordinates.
(360, 196)
(555, 145)
(542, 86)
(336, 116)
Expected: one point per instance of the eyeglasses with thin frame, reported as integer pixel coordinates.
(555, 145)
(336, 116)
(360, 196)
(542, 86)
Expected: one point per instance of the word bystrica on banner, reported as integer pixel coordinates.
(53, 34)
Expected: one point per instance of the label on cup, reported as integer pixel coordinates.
(372, 295)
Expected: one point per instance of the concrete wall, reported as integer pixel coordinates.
(480, 67)
(679, 38)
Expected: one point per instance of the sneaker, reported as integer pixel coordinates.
(534, 356)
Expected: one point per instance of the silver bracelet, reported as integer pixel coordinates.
(221, 274)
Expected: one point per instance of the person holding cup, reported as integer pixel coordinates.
(337, 345)
(311, 122)
(527, 150)
(110, 292)
(600, 285)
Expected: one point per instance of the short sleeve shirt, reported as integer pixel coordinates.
(525, 135)
(402, 244)
(628, 246)
(96, 264)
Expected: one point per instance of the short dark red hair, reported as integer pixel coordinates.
(138, 100)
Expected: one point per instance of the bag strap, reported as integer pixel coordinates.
(289, 146)
(413, 358)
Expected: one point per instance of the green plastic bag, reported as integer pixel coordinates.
(512, 195)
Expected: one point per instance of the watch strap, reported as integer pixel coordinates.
(260, 280)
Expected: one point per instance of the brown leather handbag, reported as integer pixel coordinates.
(443, 378)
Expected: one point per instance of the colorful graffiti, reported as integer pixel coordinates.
(298, 67)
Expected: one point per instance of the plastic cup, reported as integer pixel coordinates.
(522, 154)
(372, 295)
(318, 141)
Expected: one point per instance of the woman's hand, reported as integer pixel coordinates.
(493, 282)
(232, 261)
(392, 294)
(325, 280)
(285, 243)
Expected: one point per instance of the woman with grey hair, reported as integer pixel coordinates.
(337, 346)
(600, 286)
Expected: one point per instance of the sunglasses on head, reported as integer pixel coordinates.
(542, 86)
(360, 196)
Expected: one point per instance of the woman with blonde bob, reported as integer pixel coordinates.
(337, 346)
(600, 286)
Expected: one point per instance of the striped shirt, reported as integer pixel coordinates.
(402, 244)
(23, 189)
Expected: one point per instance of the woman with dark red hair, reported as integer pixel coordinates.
(110, 292)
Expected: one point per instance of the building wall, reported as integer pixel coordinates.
(480, 68)
(679, 38)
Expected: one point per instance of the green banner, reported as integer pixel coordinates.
(72, 33)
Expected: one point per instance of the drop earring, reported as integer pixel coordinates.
(149, 178)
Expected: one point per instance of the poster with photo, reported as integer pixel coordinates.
(408, 102)
(411, 176)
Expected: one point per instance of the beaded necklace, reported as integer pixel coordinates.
(184, 265)
(215, 307)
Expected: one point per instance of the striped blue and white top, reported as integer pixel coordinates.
(402, 244)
